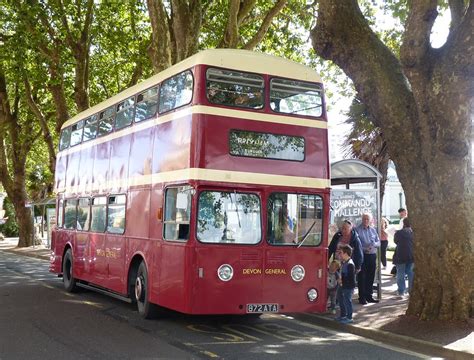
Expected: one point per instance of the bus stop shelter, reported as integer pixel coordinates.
(355, 190)
(46, 217)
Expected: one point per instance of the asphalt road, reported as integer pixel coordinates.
(39, 320)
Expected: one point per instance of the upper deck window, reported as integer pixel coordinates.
(234, 88)
(90, 129)
(65, 139)
(124, 114)
(229, 217)
(176, 91)
(106, 121)
(76, 133)
(147, 104)
(296, 97)
(268, 146)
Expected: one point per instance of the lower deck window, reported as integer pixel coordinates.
(295, 219)
(83, 214)
(116, 214)
(177, 213)
(60, 213)
(70, 214)
(229, 217)
(99, 211)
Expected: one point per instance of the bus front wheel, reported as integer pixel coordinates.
(146, 309)
(68, 278)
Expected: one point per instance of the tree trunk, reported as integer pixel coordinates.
(25, 223)
(423, 105)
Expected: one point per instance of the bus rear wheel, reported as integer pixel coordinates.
(68, 278)
(146, 309)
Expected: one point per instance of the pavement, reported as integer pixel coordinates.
(374, 321)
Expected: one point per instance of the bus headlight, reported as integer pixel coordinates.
(225, 272)
(297, 273)
(312, 295)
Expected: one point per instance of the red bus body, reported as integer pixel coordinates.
(190, 146)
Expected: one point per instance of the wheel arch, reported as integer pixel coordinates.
(135, 262)
(66, 248)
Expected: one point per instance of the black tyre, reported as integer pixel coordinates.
(146, 309)
(68, 277)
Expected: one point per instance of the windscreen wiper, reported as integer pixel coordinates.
(307, 233)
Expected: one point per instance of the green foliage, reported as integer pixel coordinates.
(10, 228)
(286, 37)
(120, 38)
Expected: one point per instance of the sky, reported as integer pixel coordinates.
(338, 104)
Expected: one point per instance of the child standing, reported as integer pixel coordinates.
(347, 284)
(333, 284)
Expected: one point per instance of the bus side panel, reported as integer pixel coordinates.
(116, 249)
(171, 147)
(86, 166)
(134, 241)
(98, 261)
(60, 173)
(214, 296)
(81, 248)
(57, 250)
(141, 150)
(101, 166)
(118, 168)
(172, 288)
(72, 176)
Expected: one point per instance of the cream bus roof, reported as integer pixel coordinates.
(243, 60)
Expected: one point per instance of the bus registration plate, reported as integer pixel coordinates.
(262, 308)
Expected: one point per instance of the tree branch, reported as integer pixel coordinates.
(343, 35)
(246, 7)
(461, 42)
(160, 47)
(265, 25)
(5, 123)
(186, 27)
(69, 37)
(457, 9)
(231, 33)
(415, 49)
(43, 124)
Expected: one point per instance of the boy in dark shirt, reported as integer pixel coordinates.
(347, 284)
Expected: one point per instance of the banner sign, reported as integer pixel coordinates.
(350, 205)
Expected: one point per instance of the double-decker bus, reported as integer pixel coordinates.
(204, 189)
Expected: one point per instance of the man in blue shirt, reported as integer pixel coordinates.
(369, 239)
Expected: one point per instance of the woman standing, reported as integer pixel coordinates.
(347, 236)
(384, 243)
